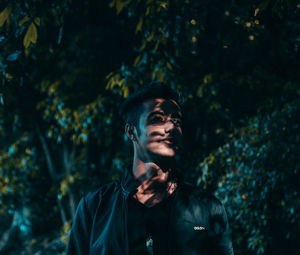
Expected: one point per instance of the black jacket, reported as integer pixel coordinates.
(198, 222)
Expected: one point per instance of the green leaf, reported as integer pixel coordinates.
(22, 21)
(139, 26)
(31, 35)
(109, 75)
(120, 5)
(137, 60)
(169, 66)
(150, 37)
(125, 91)
(37, 21)
(160, 75)
(4, 15)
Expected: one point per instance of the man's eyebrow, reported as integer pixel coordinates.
(176, 115)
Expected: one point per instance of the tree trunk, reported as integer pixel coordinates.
(52, 172)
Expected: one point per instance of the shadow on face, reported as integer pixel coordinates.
(160, 128)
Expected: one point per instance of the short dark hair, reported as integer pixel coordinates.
(132, 106)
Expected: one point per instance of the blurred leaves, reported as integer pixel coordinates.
(235, 65)
(256, 174)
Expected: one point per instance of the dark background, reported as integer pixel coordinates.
(65, 68)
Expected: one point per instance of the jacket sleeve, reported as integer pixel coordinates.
(80, 233)
(223, 242)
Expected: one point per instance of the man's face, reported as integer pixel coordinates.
(160, 127)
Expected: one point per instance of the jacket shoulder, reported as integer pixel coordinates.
(202, 196)
(94, 198)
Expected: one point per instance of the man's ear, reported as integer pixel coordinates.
(130, 131)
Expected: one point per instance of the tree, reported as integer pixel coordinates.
(67, 65)
(256, 174)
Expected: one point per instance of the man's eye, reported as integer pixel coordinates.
(157, 119)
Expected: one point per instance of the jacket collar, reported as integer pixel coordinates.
(128, 183)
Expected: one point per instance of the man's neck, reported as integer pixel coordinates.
(156, 184)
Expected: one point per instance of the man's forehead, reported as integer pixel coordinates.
(160, 104)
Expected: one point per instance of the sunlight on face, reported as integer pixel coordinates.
(160, 129)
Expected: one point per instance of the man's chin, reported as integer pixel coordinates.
(165, 160)
(169, 154)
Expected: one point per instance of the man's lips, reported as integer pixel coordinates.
(168, 140)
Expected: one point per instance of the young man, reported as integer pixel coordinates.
(150, 210)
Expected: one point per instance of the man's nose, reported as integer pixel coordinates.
(169, 125)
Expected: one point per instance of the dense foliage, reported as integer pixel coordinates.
(65, 67)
